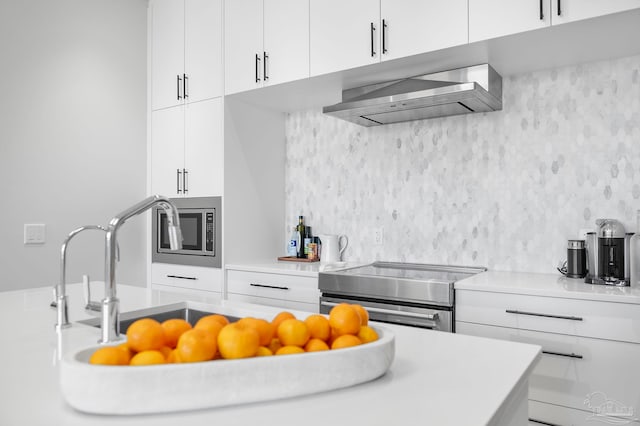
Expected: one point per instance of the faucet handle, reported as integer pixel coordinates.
(89, 304)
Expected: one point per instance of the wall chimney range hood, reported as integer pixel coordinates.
(460, 91)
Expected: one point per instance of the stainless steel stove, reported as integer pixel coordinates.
(419, 295)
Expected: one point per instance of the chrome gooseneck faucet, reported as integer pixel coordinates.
(110, 303)
(60, 289)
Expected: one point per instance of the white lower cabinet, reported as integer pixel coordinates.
(185, 277)
(582, 377)
(279, 290)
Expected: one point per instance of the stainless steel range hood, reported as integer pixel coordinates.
(460, 91)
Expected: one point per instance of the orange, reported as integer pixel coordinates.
(344, 319)
(148, 358)
(238, 341)
(127, 350)
(367, 334)
(166, 350)
(211, 324)
(263, 327)
(173, 357)
(196, 345)
(264, 351)
(315, 345)
(364, 315)
(173, 328)
(318, 327)
(345, 341)
(289, 350)
(215, 317)
(275, 345)
(293, 332)
(145, 334)
(109, 355)
(281, 317)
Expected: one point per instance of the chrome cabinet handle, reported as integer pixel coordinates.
(182, 278)
(373, 30)
(541, 422)
(535, 314)
(178, 81)
(264, 66)
(430, 317)
(269, 286)
(541, 12)
(178, 176)
(185, 87)
(571, 355)
(384, 38)
(185, 181)
(258, 68)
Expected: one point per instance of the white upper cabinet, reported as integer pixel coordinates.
(204, 148)
(410, 27)
(203, 49)
(167, 52)
(286, 40)
(343, 34)
(186, 51)
(267, 42)
(187, 153)
(563, 11)
(496, 18)
(243, 45)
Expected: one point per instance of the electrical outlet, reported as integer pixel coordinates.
(34, 233)
(378, 236)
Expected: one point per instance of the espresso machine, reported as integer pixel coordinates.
(608, 254)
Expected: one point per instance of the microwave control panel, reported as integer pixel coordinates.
(210, 231)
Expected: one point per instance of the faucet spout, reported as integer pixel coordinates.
(110, 304)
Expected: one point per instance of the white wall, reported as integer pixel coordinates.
(72, 134)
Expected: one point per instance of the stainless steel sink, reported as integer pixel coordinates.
(159, 313)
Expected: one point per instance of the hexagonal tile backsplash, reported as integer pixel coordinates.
(503, 190)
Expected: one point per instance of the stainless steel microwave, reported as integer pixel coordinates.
(200, 222)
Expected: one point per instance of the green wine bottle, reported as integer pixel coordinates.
(301, 235)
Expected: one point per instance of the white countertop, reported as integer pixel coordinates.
(305, 269)
(438, 378)
(551, 285)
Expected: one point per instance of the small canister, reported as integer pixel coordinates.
(576, 259)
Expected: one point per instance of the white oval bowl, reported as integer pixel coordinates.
(123, 390)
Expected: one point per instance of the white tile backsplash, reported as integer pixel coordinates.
(504, 189)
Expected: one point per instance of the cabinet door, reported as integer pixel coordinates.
(203, 49)
(410, 27)
(573, 10)
(167, 150)
(243, 45)
(286, 40)
(167, 52)
(496, 18)
(203, 152)
(343, 34)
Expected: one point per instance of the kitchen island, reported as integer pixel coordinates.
(436, 378)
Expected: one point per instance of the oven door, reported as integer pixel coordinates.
(423, 316)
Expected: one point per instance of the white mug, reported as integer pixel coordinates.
(332, 248)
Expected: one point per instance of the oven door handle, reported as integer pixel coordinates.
(430, 317)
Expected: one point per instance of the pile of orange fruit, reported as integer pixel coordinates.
(214, 337)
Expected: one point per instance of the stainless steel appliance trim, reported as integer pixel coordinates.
(189, 257)
(536, 314)
(431, 317)
(397, 314)
(432, 267)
